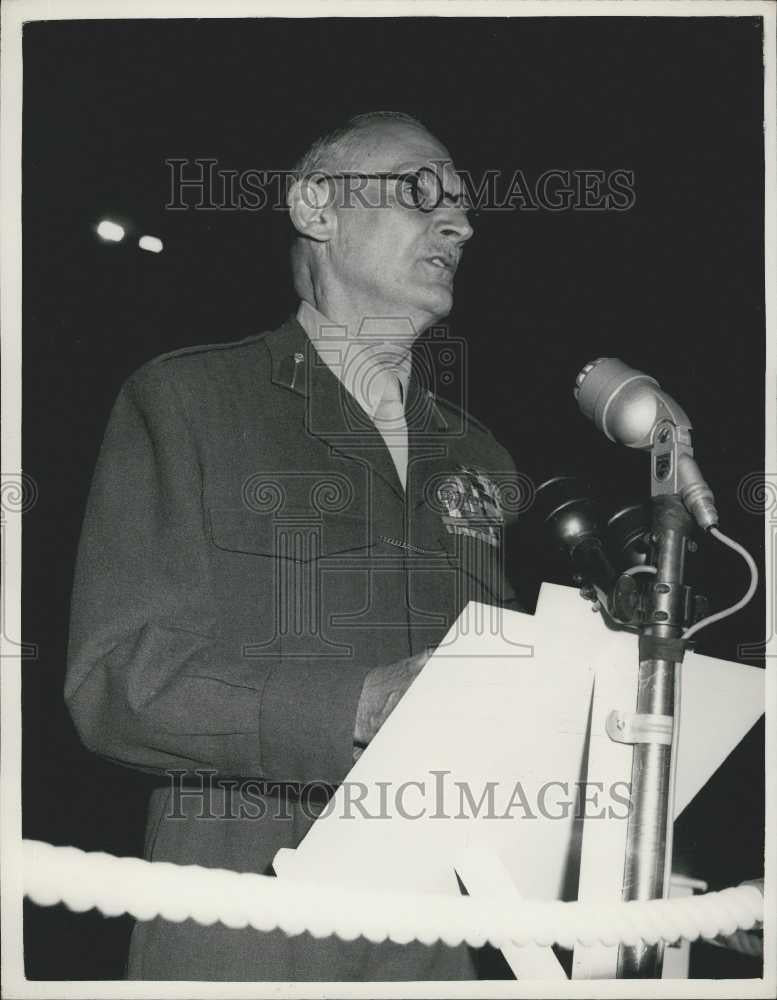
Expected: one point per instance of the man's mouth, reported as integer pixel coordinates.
(444, 263)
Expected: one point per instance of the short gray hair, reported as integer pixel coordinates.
(338, 147)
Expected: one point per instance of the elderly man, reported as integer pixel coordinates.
(278, 531)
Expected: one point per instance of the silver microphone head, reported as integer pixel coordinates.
(625, 404)
(631, 408)
(584, 371)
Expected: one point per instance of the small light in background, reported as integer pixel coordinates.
(151, 243)
(110, 231)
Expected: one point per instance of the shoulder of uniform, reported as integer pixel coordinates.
(190, 365)
(463, 417)
(206, 350)
(481, 439)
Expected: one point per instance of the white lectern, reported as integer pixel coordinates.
(497, 763)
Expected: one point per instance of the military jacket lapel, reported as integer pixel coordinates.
(331, 413)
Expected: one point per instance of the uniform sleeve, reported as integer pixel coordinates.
(152, 681)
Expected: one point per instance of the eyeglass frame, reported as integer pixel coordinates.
(405, 175)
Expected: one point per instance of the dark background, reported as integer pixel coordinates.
(674, 286)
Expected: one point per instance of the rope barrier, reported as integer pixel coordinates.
(741, 941)
(146, 890)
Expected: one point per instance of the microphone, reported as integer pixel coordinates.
(570, 517)
(631, 408)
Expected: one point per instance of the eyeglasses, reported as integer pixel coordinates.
(419, 189)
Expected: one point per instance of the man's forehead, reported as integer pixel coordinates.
(398, 146)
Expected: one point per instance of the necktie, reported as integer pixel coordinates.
(389, 419)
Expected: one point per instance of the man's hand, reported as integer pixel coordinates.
(382, 690)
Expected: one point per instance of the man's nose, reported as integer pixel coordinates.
(452, 222)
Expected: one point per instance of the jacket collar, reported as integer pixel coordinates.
(297, 366)
(334, 416)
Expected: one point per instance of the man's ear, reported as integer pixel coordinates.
(311, 208)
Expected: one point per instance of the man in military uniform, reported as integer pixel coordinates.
(278, 531)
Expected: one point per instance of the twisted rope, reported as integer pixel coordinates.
(178, 892)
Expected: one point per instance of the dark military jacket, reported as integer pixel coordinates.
(248, 555)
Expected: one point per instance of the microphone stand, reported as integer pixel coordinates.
(654, 727)
(630, 407)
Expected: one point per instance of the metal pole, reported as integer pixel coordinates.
(649, 832)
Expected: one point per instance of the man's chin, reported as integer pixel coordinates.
(437, 305)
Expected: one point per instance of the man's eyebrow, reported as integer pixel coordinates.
(448, 195)
(460, 199)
